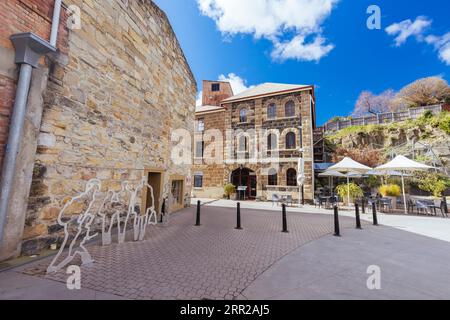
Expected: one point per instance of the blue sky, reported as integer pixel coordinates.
(330, 46)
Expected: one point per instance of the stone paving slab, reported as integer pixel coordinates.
(412, 267)
(213, 261)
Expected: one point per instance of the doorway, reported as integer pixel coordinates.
(155, 181)
(244, 177)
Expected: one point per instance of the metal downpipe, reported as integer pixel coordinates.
(14, 139)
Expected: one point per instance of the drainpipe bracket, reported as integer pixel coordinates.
(29, 48)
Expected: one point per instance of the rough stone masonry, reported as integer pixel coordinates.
(110, 104)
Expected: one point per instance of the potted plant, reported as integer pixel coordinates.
(355, 192)
(230, 191)
(391, 191)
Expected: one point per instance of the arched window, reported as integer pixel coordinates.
(291, 140)
(273, 178)
(243, 115)
(289, 109)
(291, 178)
(272, 111)
(272, 142)
(243, 143)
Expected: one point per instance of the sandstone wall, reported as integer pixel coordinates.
(110, 106)
(213, 174)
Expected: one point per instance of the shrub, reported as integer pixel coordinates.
(229, 189)
(444, 122)
(433, 183)
(390, 190)
(355, 191)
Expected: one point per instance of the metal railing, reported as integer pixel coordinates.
(382, 118)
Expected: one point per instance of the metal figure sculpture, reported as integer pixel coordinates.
(84, 222)
(112, 203)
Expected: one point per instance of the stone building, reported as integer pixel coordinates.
(102, 106)
(266, 141)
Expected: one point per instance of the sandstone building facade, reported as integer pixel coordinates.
(103, 106)
(267, 141)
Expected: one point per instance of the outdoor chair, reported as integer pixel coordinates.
(289, 200)
(317, 202)
(386, 205)
(411, 205)
(424, 206)
(275, 199)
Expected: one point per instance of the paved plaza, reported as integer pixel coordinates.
(215, 261)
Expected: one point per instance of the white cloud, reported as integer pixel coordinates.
(237, 83)
(298, 49)
(273, 20)
(199, 100)
(407, 28)
(442, 45)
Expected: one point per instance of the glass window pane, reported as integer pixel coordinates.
(289, 109)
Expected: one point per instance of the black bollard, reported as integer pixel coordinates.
(363, 202)
(358, 220)
(163, 211)
(337, 232)
(285, 228)
(445, 207)
(374, 212)
(239, 227)
(197, 223)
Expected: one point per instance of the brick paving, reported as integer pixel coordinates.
(213, 261)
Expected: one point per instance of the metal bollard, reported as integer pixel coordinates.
(238, 227)
(197, 223)
(285, 228)
(337, 232)
(358, 220)
(163, 211)
(445, 207)
(374, 212)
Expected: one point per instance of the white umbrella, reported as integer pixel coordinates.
(348, 166)
(403, 164)
(387, 173)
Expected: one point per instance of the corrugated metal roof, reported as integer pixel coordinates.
(266, 88)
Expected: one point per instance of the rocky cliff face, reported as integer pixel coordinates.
(401, 138)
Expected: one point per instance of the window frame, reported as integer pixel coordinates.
(272, 108)
(202, 149)
(271, 147)
(246, 145)
(243, 118)
(198, 176)
(287, 141)
(202, 122)
(291, 179)
(272, 178)
(289, 104)
(215, 87)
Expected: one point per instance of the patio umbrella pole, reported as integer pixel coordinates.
(404, 194)
(348, 191)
